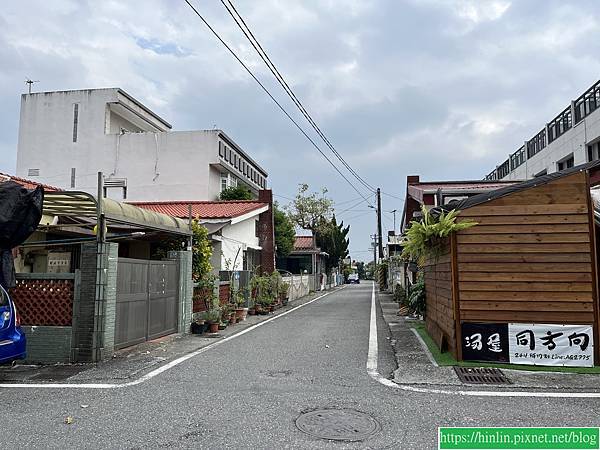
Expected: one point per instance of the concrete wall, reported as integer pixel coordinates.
(299, 286)
(158, 165)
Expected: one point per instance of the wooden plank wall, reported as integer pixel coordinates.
(530, 258)
(440, 309)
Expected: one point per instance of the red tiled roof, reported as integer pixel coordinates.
(304, 243)
(203, 209)
(27, 184)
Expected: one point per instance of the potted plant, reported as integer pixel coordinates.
(240, 299)
(284, 292)
(213, 317)
(197, 326)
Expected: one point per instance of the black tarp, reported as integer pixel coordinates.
(517, 187)
(20, 214)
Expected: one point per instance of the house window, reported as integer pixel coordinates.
(566, 163)
(72, 177)
(593, 152)
(221, 150)
(75, 120)
(223, 181)
(33, 172)
(256, 227)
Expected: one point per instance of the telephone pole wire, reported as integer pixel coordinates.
(379, 223)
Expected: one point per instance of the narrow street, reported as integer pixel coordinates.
(248, 392)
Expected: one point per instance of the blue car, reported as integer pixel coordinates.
(12, 337)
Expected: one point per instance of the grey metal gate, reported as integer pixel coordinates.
(146, 300)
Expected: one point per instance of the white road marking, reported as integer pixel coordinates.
(372, 358)
(161, 369)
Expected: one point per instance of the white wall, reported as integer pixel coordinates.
(161, 165)
(46, 132)
(237, 237)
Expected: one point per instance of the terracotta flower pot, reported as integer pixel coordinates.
(239, 314)
(214, 327)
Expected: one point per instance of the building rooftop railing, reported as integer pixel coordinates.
(585, 104)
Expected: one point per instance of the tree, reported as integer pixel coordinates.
(310, 210)
(360, 268)
(201, 252)
(285, 234)
(333, 239)
(238, 192)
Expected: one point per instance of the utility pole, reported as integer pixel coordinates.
(379, 223)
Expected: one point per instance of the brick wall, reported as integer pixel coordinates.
(186, 289)
(224, 290)
(266, 237)
(94, 311)
(48, 345)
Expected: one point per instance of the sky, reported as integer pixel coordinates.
(444, 89)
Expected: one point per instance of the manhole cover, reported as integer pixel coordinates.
(338, 424)
(481, 375)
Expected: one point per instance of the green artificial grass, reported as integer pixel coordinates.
(446, 358)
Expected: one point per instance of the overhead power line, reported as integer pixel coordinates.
(283, 110)
(393, 196)
(243, 26)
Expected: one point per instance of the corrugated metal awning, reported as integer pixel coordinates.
(82, 204)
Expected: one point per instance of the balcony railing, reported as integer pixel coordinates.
(517, 158)
(586, 104)
(560, 125)
(536, 144)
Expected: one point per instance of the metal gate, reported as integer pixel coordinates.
(146, 300)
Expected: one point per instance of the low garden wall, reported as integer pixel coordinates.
(299, 286)
(45, 304)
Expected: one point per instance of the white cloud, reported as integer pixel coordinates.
(444, 88)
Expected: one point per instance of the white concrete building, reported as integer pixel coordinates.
(570, 139)
(66, 137)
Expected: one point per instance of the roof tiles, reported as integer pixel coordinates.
(203, 209)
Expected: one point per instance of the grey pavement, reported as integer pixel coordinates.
(248, 392)
(415, 366)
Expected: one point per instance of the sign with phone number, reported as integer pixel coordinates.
(535, 344)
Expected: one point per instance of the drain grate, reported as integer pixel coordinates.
(338, 424)
(481, 375)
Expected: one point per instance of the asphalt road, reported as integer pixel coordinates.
(248, 392)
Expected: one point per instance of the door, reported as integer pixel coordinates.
(146, 300)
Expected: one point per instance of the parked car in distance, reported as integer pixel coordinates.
(12, 337)
(353, 278)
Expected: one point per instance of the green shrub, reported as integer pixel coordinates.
(417, 297)
(427, 237)
(400, 296)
